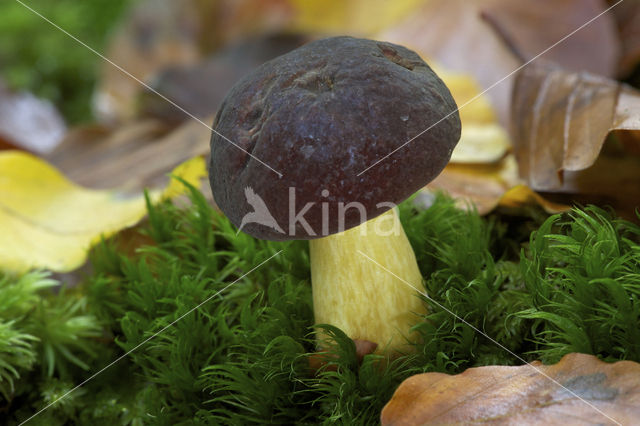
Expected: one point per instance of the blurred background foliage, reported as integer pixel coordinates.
(37, 58)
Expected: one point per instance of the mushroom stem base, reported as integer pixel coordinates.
(366, 281)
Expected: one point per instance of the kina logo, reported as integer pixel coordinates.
(260, 214)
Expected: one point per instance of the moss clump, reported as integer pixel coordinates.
(583, 282)
(242, 356)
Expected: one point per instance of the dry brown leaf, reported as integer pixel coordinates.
(200, 88)
(627, 15)
(163, 33)
(487, 186)
(481, 184)
(500, 395)
(29, 123)
(454, 33)
(560, 124)
(135, 156)
(528, 27)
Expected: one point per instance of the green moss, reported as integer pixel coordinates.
(584, 285)
(211, 344)
(37, 57)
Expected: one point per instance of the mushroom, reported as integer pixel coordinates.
(316, 127)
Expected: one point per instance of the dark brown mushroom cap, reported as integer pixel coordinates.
(320, 115)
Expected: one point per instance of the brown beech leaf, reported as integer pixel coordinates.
(481, 184)
(560, 124)
(500, 395)
(528, 27)
(627, 15)
(480, 38)
(135, 156)
(487, 186)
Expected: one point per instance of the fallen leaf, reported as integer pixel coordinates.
(466, 90)
(529, 27)
(487, 186)
(482, 140)
(29, 123)
(454, 33)
(46, 221)
(627, 115)
(201, 87)
(483, 185)
(163, 33)
(132, 157)
(627, 15)
(521, 195)
(500, 395)
(355, 17)
(482, 174)
(560, 124)
(481, 143)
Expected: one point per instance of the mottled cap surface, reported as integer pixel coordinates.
(320, 115)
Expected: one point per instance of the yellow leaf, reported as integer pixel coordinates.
(190, 171)
(486, 186)
(483, 140)
(354, 17)
(481, 144)
(47, 221)
(464, 89)
(522, 195)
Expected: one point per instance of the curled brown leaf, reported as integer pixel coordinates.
(586, 390)
(560, 124)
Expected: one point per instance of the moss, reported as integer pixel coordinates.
(583, 281)
(211, 344)
(37, 57)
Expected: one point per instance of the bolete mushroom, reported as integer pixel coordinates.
(314, 120)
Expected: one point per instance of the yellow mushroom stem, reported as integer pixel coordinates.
(365, 282)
